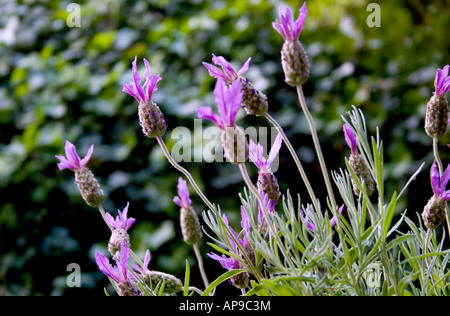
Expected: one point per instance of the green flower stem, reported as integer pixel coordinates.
(200, 265)
(135, 257)
(441, 171)
(323, 166)
(184, 171)
(295, 157)
(203, 197)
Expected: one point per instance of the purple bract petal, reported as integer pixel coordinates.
(121, 221)
(72, 160)
(103, 265)
(350, 138)
(142, 93)
(286, 26)
(256, 154)
(434, 175)
(442, 81)
(228, 73)
(182, 199)
(207, 112)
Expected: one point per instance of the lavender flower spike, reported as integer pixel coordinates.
(293, 56)
(436, 118)
(89, 188)
(126, 283)
(72, 161)
(434, 212)
(442, 81)
(228, 73)
(151, 118)
(286, 26)
(254, 101)
(267, 182)
(190, 225)
(120, 234)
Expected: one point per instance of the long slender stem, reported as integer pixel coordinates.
(185, 172)
(312, 127)
(297, 161)
(200, 265)
(203, 197)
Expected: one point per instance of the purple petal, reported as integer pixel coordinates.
(255, 154)
(221, 100)
(442, 81)
(333, 220)
(234, 97)
(350, 138)
(137, 80)
(86, 158)
(103, 265)
(434, 175)
(230, 74)
(183, 199)
(214, 71)
(207, 112)
(244, 67)
(124, 256)
(276, 146)
(444, 179)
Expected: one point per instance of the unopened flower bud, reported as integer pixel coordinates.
(235, 144)
(241, 280)
(362, 172)
(434, 212)
(90, 190)
(268, 184)
(254, 101)
(129, 288)
(295, 63)
(171, 283)
(151, 119)
(190, 226)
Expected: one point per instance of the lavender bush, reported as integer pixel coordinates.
(346, 244)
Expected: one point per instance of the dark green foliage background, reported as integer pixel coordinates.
(59, 82)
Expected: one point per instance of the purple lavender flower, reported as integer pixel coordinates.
(442, 81)
(182, 200)
(120, 234)
(434, 212)
(121, 221)
(309, 218)
(228, 101)
(350, 138)
(294, 59)
(228, 73)
(257, 157)
(286, 26)
(151, 117)
(72, 161)
(143, 94)
(89, 187)
(126, 283)
(253, 100)
(190, 225)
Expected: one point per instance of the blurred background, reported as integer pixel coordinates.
(61, 76)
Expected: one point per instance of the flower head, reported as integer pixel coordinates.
(286, 25)
(438, 183)
(142, 93)
(121, 221)
(228, 101)
(228, 73)
(256, 154)
(182, 199)
(72, 161)
(442, 81)
(350, 138)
